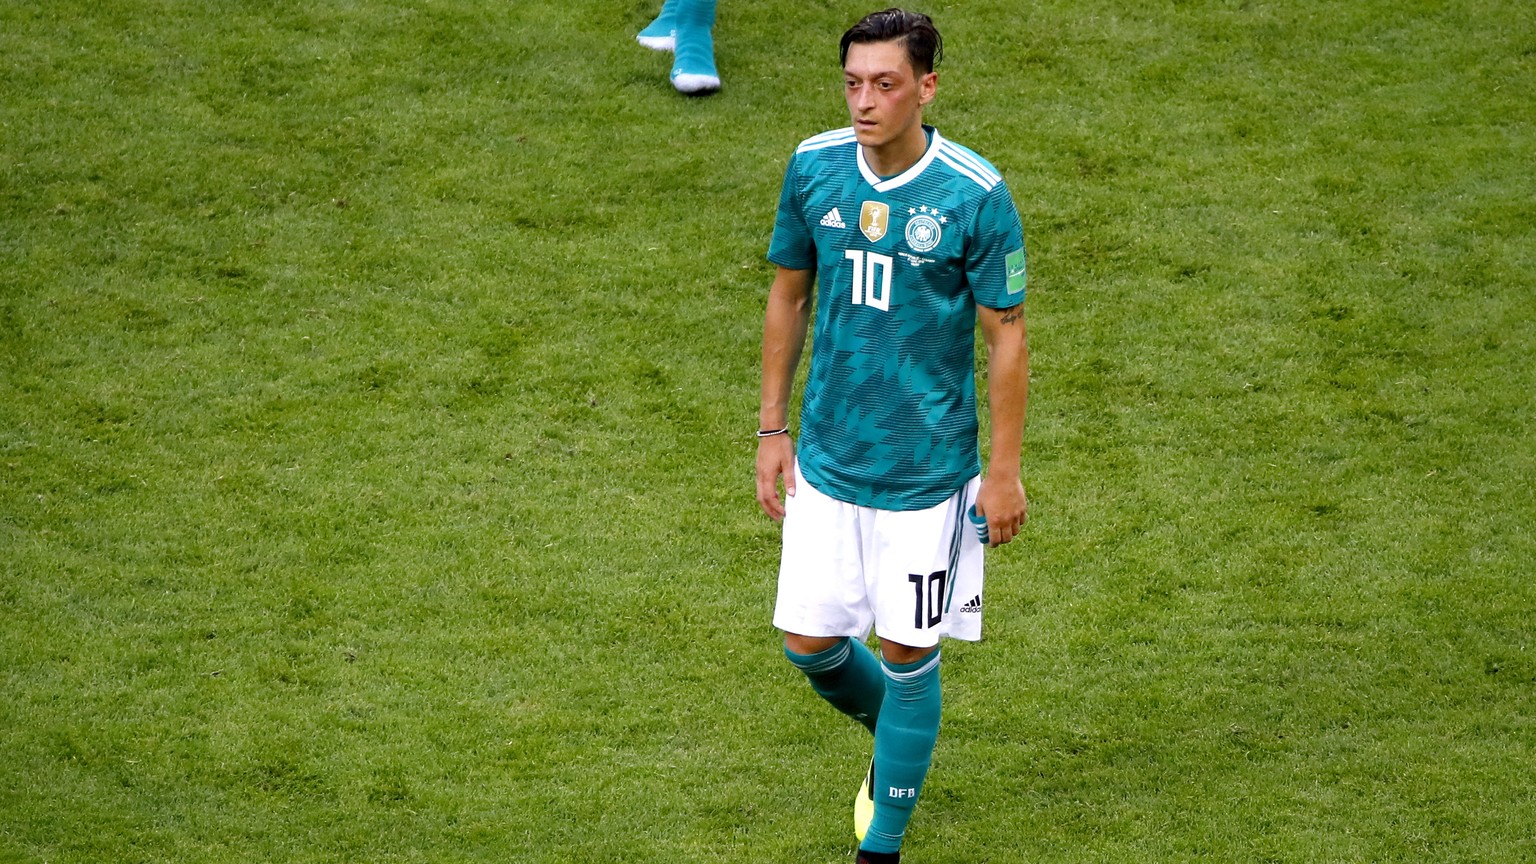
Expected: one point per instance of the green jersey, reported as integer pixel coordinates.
(888, 417)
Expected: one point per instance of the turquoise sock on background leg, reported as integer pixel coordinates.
(909, 727)
(693, 70)
(848, 676)
(660, 34)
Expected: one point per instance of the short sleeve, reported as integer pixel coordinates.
(793, 245)
(994, 259)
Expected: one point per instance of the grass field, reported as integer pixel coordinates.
(376, 392)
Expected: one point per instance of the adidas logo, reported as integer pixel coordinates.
(833, 219)
(974, 606)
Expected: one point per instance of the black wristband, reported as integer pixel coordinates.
(769, 433)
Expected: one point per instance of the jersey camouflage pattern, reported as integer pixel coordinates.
(888, 416)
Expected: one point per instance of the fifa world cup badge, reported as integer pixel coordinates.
(874, 218)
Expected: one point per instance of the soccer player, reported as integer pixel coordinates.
(910, 241)
(686, 27)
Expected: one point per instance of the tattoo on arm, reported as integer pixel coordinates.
(1012, 315)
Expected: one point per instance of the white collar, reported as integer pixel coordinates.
(904, 177)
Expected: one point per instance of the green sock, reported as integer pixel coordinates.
(848, 676)
(664, 23)
(695, 39)
(909, 727)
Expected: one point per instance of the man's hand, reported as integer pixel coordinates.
(775, 459)
(1001, 501)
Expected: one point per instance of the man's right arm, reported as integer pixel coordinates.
(785, 323)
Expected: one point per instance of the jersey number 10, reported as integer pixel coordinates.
(871, 278)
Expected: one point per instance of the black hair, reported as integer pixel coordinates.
(925, 48)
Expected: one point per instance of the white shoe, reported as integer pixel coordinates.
(695, 84)
(659, 43)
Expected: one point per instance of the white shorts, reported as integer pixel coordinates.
(915, 575)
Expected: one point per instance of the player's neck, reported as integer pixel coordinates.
(897, 155)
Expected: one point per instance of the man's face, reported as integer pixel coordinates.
(885, 94)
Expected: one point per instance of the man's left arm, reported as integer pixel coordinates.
(1001, 499)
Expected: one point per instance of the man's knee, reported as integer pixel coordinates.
(806, 645)
(895, 652)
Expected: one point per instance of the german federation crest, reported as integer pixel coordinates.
(874, 219)
(923, 232)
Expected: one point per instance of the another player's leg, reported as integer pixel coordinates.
(660, 34)
(693, 70)
(904, 742)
